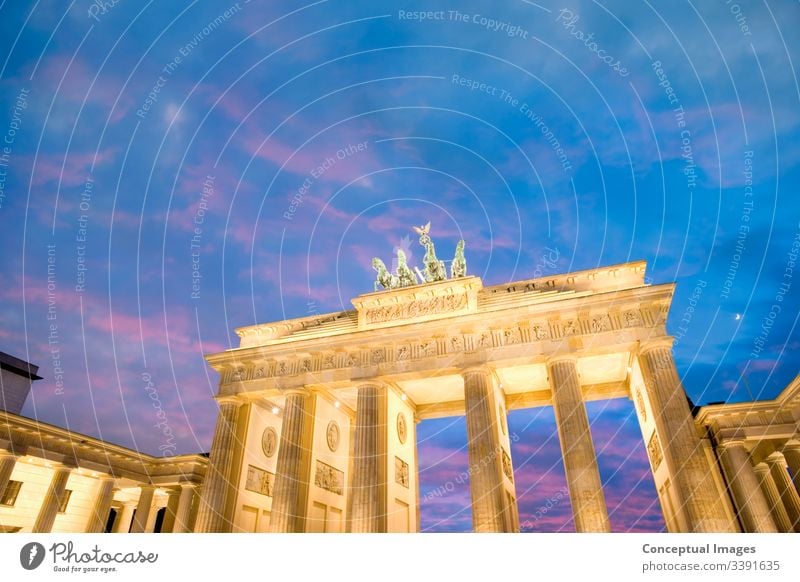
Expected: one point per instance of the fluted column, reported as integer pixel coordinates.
(102, 506)
(211, 514)
(168, 524)
(52, 500)
(751, 505)
(183, 511)
(7, 462)
(693, 473)
(292, 467)
(483, 450)
(124, 520)
(773, 497)
(577, 449)
(789, 495)
(791, 452)
(368, 491)
(142, 516)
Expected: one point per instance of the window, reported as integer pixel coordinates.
(62, 508)
(10, 495)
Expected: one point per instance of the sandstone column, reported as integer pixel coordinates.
(124, 519)
(102, 506)
(142, 516)
(368, 490)
(789, 495)
(7, 462)
(751, 504)
(484, 450)
(791, 451)
(694, 475)
(292, 467)
(773, 497)
(183, 511)
(52, 500)
(168, 524)
(211, 513)
(577, 448)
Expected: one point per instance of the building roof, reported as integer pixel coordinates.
(17, 366)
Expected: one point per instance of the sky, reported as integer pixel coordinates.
(172, 171)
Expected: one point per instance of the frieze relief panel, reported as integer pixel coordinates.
(419, 308)
(401, 472)
(329, 478)
(507, 471)
(524, 332)
(259, 481)
(654, 451)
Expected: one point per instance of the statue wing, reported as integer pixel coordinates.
(422, 229)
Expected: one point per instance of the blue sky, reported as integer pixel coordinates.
(273, 148)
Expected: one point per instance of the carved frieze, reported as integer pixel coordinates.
(401, 472)
(512, 336)
(533, 331)
(654, 451)
(329, 478)
(419, 308)
(507, 471)
(259, 481)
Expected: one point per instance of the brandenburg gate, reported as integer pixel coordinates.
(317, 423)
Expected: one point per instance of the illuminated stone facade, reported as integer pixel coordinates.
(54, 480)
(317, 424)
(455, 347)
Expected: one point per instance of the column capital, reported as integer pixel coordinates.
(792, 445)
(777, 458)
(482, 369)
(188, 485)
(563, 357)
(229, 399)
(761, 468)
(370, 384)
(649, 345)
(731, 443)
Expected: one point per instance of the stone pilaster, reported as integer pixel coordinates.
(142, 516)
(773, 497)
(489, 508)
(368, 490)
(183, 511)
(293, 465)
(577, 449)
(789, 495)
(211, 513)
(751, 505)
(102, 506)
(791, 452)
(693, 474)
(7, 462)
(52, 500)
